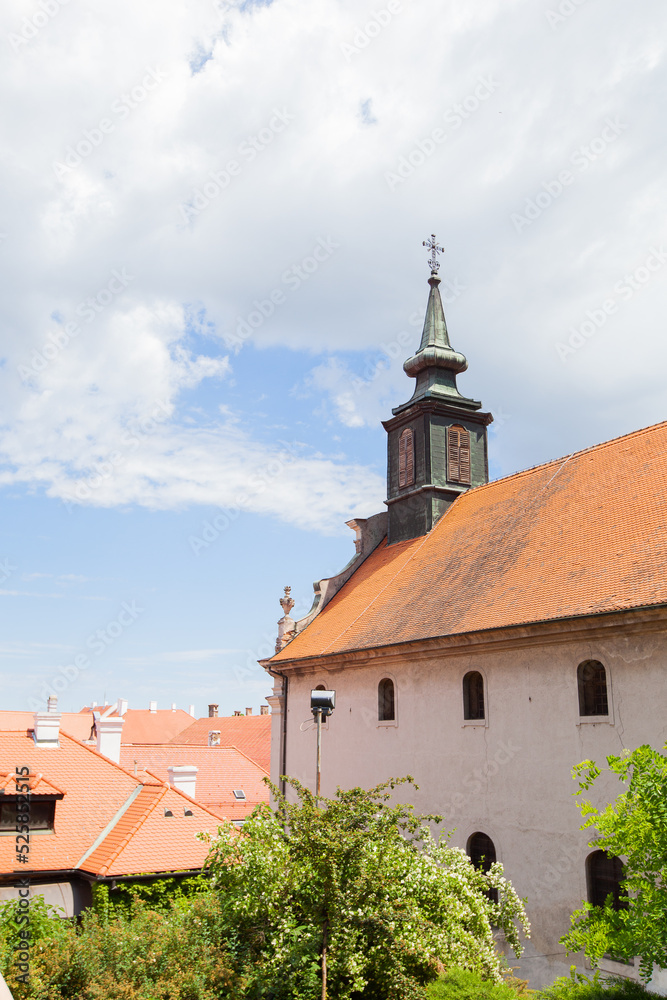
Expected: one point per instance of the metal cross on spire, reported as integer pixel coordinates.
(432, 244)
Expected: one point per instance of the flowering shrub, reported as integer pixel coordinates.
(357, 890)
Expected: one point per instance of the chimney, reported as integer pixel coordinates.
(152, 706)
(184, 778)
(191, 711)
(173, 706)
(238, 712)
(121, 706)
(46, 725)
(212, 711)
(108, 732)
(214, 738)
(93, 704)
(248, 711)
(263, 709)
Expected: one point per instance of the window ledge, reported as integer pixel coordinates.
(33, 833)
(474, 722)
(626, 969)
(595, 720)
(385, 723)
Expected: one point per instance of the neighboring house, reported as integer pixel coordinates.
(223, 779)
(486, 638)
(251, 734)
(145, 725)
(90, 820)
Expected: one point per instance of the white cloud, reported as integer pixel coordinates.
(154, 101)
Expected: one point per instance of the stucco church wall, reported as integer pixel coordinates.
(509, 777)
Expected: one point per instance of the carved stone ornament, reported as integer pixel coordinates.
(287, 602)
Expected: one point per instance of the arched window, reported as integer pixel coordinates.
(592, 682)
(458, 455)
(406, 458)
(473, 695)
(604, 875)
(386, 701)
(482, 852)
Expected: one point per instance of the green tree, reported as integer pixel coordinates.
(355, 893)
(634, 828)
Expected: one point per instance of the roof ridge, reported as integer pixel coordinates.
(554, 461)
(156, 794)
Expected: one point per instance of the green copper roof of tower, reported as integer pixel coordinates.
(436, 364)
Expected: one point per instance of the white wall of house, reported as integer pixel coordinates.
(508, 777)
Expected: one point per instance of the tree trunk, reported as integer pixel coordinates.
(324, 962)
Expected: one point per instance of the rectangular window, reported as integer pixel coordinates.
(37, 814)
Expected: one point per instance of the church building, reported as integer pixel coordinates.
(488, 636)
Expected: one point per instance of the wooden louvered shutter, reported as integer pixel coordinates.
(458, 455)
(453, 465)
(406, 458)
(464, 456)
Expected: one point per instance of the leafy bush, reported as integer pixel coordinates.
(141, 954)
(597, 987)
(460, 984)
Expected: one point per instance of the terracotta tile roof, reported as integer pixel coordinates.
(220, 771)
(37, 784)
(143, 726)
(578, 536)
(251, 734)
(105, 809)
(77, 725)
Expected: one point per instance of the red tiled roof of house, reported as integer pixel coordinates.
(251, 734)
(36, 782)
(578, 536)
(220, 771)
(77, 725)
(109, 822)
(143, 726)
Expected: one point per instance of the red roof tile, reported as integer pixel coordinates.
(104, 808)
(251, 734)
(143, 726)
(578, 536)
(220, 771)
(77, 725)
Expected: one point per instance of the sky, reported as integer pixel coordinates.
(211, 226)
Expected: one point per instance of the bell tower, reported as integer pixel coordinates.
(437, 441)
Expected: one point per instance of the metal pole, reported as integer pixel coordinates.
(319, 752)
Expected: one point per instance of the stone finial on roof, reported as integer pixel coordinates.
(287, 602)
(286, 625)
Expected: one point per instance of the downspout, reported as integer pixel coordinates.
(283, 737)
